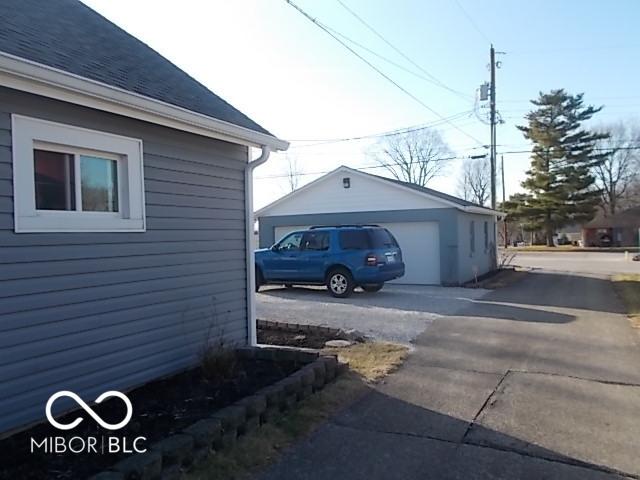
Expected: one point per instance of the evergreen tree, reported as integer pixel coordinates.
(560, 185)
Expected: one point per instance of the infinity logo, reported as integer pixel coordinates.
(87, 408)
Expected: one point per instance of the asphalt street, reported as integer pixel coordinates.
(605, 263)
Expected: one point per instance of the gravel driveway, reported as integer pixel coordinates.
(397, 313)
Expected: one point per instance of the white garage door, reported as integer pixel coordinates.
(420, 244)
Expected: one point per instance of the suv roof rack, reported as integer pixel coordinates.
(342, 226)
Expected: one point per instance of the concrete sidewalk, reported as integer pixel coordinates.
(538, 380)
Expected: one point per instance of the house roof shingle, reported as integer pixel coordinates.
(69, 36)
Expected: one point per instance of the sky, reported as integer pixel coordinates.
(280, 69)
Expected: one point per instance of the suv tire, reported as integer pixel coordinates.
(373, 287)
(340, 283)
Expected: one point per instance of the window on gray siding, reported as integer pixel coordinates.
(486, 235)
(472, 236)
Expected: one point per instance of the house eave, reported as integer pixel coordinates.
(28, 76)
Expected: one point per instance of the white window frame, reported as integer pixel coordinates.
(31, 133)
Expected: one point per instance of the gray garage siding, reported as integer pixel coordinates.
(89, 312)
(446, 218)
(481, 258)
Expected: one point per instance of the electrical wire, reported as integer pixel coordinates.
(412, 128)
(392, 164)
(395, 64)
(380, 72)
(472, 22)
(435, 80)
(362, 167)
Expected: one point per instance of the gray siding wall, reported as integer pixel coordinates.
(90, 312)
(481, 258)
(446, 218)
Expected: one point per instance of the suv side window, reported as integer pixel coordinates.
(317, 241)
(354, 240)
(291, 242)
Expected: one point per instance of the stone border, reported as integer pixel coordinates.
(338, 333)
(167, 459)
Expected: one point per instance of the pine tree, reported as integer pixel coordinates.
(560, 185)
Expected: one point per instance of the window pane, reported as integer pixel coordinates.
(291, 243)
(381, 238)
(54, 180)
(354, 240)
(315, 241)
(99, 184)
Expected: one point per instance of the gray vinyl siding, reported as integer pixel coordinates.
(90, 312)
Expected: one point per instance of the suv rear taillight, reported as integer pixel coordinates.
(371, 260)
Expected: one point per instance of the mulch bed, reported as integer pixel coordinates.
(293, 338)
(160, 409)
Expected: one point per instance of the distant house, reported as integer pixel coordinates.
(444, 239)
(619, 230)
(125, 219)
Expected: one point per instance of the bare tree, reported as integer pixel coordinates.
(293, 172)
(618, 175)
(414, 157)
(474, 183)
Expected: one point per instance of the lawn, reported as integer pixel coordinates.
(368, 362)
(628, 287)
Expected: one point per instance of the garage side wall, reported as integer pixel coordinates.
(475, 254)
(446, 218)
(91, 312)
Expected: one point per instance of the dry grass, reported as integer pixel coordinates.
(628, 287)
(371, 361)
(368, 362)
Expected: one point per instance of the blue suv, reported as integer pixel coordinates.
(340, 257)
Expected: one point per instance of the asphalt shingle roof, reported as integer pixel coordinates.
(68, 35)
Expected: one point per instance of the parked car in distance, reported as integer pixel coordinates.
(341, 257)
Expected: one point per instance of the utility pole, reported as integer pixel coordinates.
(492, 105)
(504, 199)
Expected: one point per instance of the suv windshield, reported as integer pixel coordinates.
(371, 238)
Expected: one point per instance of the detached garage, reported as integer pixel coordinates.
(444, 239)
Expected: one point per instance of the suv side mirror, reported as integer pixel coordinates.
(275, 247)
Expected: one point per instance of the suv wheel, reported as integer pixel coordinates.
(373, 287)
(340, 283)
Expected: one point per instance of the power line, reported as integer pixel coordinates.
(380, 72)
(412, 128)
(363, 167)
(472, 22)
(397, 65)
(433, 78)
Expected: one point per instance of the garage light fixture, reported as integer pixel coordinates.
(346, 182)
